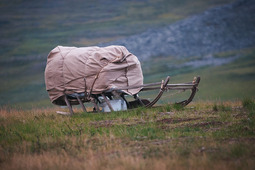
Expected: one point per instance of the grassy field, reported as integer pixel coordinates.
(203, 135)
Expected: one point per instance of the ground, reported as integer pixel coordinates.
(203, 135)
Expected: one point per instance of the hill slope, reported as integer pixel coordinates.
(216, 30)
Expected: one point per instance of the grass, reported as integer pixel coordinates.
(203, 135)
(231, 81)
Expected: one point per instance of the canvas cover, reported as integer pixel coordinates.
(74, 70)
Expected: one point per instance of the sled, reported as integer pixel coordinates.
(105, 77)
(79, 98)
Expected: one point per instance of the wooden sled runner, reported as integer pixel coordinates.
(110, 95)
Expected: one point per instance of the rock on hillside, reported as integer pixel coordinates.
(218, 29)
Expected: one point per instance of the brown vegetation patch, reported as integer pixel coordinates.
(110, 123)
(161, 142)
(240, 115)
(203, 124)
(103, 123)
(177, 120)
(240, 140)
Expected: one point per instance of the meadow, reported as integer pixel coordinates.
(203, 135)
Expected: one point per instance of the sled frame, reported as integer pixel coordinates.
(163, 86)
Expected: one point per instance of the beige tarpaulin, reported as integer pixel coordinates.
(74, 70)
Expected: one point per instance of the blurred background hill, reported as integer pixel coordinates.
(214, 39)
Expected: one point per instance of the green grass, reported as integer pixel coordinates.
(231, 81)
(197, 136)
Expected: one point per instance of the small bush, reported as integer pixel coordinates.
(215, 108)
(248, 104)
(221, 107)
(178, 107)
